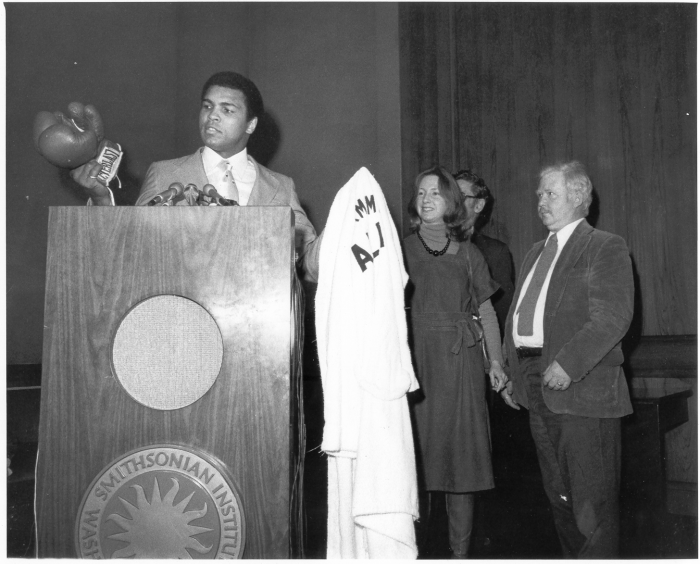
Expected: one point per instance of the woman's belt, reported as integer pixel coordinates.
(468, 329)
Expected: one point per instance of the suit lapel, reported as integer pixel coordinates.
(562, 270)
(193, 167)
(265, 187)
(529, 262)
(530, 259)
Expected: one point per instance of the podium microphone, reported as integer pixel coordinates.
(192, 194)
(217, 198)
(173, 191)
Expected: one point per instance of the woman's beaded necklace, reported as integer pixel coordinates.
(431, 251)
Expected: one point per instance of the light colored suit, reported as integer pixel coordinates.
(270, 189)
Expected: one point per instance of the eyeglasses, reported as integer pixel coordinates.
(473, 197)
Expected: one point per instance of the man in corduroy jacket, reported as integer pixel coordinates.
(573, 305)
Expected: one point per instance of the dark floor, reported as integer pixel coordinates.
(512, 521)
(20, 501)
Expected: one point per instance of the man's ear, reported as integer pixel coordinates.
(479, 206)
(252, 124)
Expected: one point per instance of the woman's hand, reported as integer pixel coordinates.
(507, 395)
(497, 376)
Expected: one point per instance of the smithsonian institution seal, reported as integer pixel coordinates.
(164, 501)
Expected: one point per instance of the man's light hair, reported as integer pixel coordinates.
(575, 179)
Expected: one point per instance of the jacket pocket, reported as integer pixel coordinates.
(599, 388)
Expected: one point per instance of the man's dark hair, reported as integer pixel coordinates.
(480, 189)
(235, 81)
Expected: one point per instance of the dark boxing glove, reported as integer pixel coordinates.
(70, 141)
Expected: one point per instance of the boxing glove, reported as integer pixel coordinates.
(69, 142)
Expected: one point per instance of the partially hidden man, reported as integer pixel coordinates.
(478, 202)
(230, 108)
(573, 305)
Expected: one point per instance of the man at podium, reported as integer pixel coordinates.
(231, 106)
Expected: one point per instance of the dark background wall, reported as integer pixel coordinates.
(503, 88)
(508, 88)
(328, 74)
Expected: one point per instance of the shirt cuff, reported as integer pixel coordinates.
(111, 199)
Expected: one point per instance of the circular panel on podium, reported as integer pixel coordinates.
(167, 352)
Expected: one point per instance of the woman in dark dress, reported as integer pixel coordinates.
(449, 287)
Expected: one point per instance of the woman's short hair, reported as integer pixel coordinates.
(235, 81)
(455, 214)
(575, 179)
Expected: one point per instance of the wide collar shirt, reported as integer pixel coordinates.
(536, 340)
(242, 168)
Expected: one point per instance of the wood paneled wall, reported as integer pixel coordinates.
(506, 89)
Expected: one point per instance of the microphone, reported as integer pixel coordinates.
(173, 191)
(192, 194)
(217, 198)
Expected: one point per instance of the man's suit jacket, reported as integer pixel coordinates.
(270, 189)
(588, 310)
(500, 263)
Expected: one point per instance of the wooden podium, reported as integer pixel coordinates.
(170, 392)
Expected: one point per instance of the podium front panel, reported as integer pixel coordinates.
(106, 267)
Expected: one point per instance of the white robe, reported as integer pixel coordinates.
(366, 372)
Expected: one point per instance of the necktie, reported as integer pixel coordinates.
(228, 190)
(526, 311)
